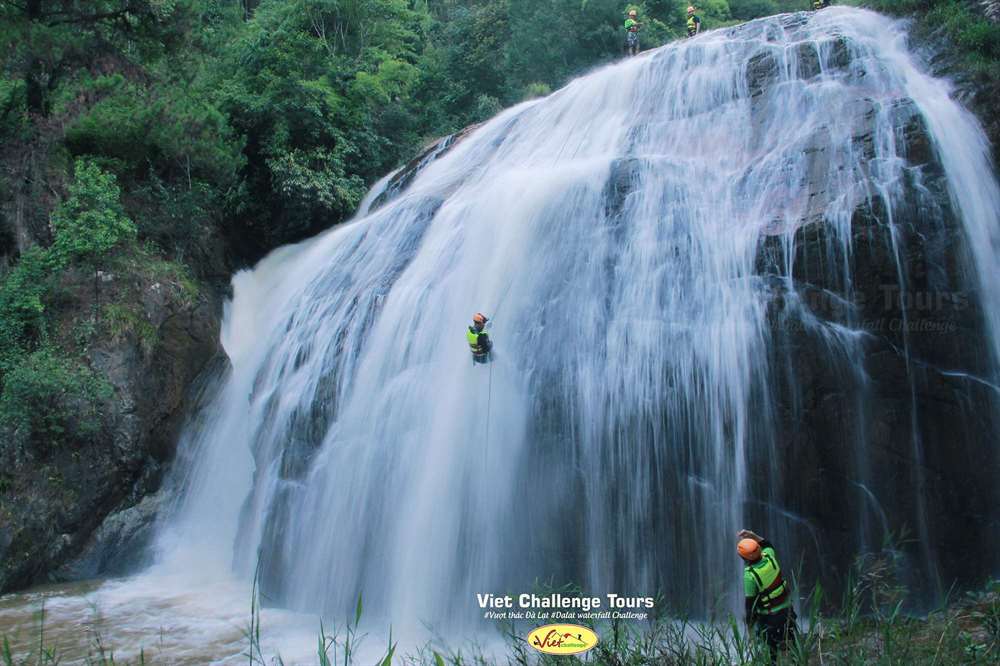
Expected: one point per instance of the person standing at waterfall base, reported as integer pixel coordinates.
(768, 599)
(632, 26)
(694, 22)
(479, 339)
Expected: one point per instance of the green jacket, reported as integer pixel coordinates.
(631, 25)
(765, 589)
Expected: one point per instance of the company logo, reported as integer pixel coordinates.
(562, 639)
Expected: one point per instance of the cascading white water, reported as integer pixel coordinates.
(614, 229)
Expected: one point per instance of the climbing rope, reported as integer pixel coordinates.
(489, 405)
(489, 393)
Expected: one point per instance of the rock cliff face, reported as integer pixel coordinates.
(84, 508)
(920, 408)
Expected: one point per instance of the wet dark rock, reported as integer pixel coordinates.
(808, 58)
(405, 176)
(624, 180)
(120, 545)
(836, 53)
(896, 361)
(762, 71)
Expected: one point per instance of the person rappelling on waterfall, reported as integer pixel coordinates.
(769, 608)
(693, 23)
(479, 339)
(632, 27)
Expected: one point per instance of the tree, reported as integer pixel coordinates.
(323, 92)
(751, 9)
(91, 221)
(45, 40)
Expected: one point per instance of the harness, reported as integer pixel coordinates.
(773, 594)
(473, 337)
(692, 24)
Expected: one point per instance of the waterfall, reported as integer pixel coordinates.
(638, 237)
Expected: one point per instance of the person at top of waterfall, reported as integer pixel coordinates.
(632, 26)
(694, 22)
(479, 339)
(768, 598)
(820, 4)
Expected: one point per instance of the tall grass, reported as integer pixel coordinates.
(868, 627)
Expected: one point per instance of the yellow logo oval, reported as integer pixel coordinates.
(562, 639)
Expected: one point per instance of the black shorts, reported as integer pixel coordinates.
(776, 628)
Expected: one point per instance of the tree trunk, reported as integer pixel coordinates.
(32, 75)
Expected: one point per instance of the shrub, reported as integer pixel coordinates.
(22, 309)
(48, 398)
(533, 90)
(91, 221)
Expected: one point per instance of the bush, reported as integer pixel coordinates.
(486, 107)
(533, 90)
(749, 9)
(91, 221)
(48, 398)
(22, 308)
(976, 38)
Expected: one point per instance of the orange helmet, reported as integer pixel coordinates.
(479, 318)
(749, 550)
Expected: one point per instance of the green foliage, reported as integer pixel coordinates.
(45, 40)
(47, 397)
(977, 38)
(322, 91)
(22, 307)
(91, 221)
(533, 90)
(11, 104)
(712, 10)
(124, 319)
(748, 9)
(50, 398)
(167, 130)
(553, 40)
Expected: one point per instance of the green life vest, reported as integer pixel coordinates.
(631, 25)
(771, 589)
(472, 335)
(692, 24)
(818, 4)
